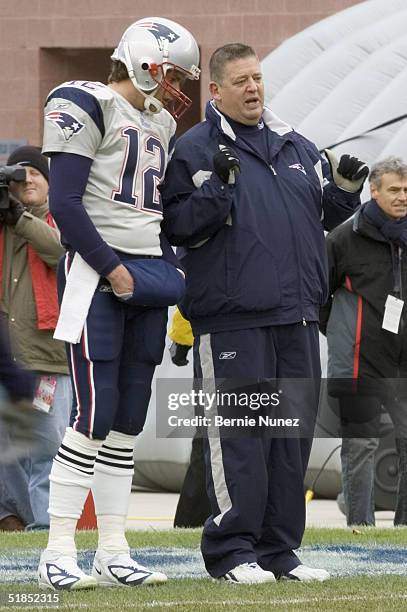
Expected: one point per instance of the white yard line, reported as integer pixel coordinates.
(271, 602)
(225, 603)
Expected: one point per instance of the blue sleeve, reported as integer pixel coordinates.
(337, 205)
(67, 183)
(168, 253)
(193, 214)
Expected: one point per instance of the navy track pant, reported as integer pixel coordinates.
(113, 364)
(256, 484)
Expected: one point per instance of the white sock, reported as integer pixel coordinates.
(70, 482)
(111, 531)
(61, 537)
(111, 488)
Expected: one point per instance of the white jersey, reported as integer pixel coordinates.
(129, 149)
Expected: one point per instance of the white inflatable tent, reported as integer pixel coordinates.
(335, 80)
(343, 76)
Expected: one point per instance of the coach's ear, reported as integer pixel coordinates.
(214, 91)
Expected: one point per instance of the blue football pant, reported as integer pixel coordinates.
(256, 483)
(113, 364)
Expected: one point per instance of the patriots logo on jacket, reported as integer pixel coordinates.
(299, 167)
(67, 123)
(160, 31)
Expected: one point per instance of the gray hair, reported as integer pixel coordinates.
(388, 165)
(225, 54)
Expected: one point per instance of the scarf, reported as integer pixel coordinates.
(43, 281)
(394, 230)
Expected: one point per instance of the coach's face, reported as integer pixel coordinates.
(240, 95)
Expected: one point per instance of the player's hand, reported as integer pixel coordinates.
(226, 164)
(349, 173)
(121, 281)
(11, 215)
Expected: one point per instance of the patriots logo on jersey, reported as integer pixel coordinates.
(67, 123)
(160, 31)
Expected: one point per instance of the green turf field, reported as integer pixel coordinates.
(369, 568)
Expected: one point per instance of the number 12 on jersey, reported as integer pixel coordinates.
(150, 162)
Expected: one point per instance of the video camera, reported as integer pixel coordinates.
(7, 174)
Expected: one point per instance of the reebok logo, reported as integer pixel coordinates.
(228, 355)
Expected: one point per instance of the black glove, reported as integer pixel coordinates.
(11, 215)
(349, 173)
(179, 354)
(226, 165)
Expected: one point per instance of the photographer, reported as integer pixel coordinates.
(29, 253)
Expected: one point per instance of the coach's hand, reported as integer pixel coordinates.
(349, 173)
(226, 165)
(121, 281)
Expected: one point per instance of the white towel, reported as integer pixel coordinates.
(80, 287)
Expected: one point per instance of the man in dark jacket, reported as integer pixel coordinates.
(364, 323)
(244, 196)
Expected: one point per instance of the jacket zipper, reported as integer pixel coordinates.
(400, 260)
(303, 321)
(400, 264)
(399, 290)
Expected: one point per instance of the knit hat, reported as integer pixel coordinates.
(30, 156)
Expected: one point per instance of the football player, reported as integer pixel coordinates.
(109, 147)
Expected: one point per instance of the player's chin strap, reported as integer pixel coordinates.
(151, 104)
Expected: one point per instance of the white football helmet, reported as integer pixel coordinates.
(149, 48)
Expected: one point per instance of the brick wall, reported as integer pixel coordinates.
(42, 42)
